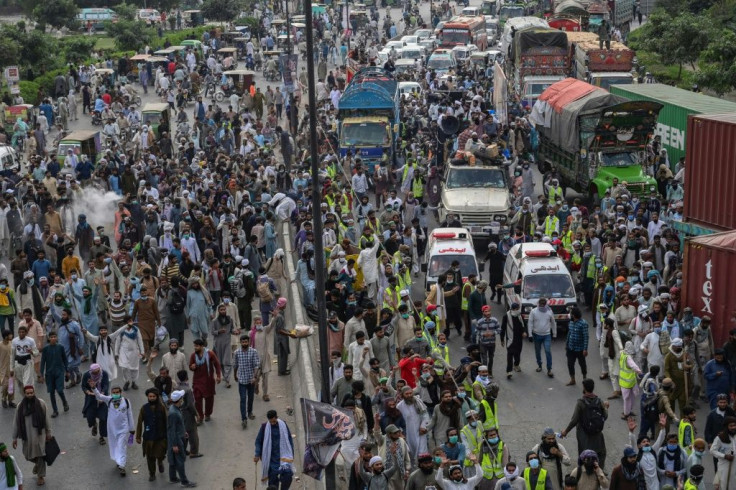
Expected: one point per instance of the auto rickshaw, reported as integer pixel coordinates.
(193, 18)
(242, 80)
(239, 44)
(154, 114)
(226, 52)
(358, 19)
(171, 52)
(80, 143)
(23, 111)
(134, 62)
(229, 36)
(105, 77)
(196, 46)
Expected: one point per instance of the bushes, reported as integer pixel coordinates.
(46, 81)
(29, 91)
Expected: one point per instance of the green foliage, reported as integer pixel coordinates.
(126, 11)
(10, 50)
(56, 13)
(77, 48)
(251, 22)
(222, 10)
(718, 64)
(176, 37)
(129, 34)
(46, 81)
(29, 91)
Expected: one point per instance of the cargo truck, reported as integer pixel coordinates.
(621, 15)
(539, 57)
(368, 118)
(592, 136)
(678, 105)
(600, 67)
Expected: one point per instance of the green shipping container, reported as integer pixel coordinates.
(678, 104)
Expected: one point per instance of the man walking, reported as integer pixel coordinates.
(282, 337)
(53, 368)
(95, 380)
(23, 348)
(246, 366)
(543, 328)
(175, 435)
(207, 372)
(576, 346)
(275, 447)
(221, 329)
(119, 424)
(33, 426)
(151, 432)
(589, 417)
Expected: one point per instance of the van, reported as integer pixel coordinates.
(471, 11)
(446, 245)
(535, 270)
(96, 17)
(149, 15)
(10, 163)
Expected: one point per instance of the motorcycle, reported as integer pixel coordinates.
(96, 119)
(271, 75)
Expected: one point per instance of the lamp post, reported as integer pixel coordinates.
(319, 252)
(293, 112)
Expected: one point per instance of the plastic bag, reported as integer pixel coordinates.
(11, 386)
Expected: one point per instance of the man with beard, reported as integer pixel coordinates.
(221, 329)
(398, 453)
(32, 425)
(342, 386)
(416, 418)
(723, 449)
(589, 430)
(378, 478)
(589, 472)
(457, 481)
(447, 416)
(513, 334)
(151, 432)
(676, 366)
(424, 476)
(626, 475)
(493, 457)
(95, 409)
(496, 262)
(552, 456)
(174, 360)
(10, 474)
(392, 416)
(207, 373)
(511, 478)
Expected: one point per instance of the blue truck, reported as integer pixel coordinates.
(368, 117)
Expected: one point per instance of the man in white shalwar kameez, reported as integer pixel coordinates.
(105, 351)
(262, 341)
(129, 351)
(120, 428)
(416, 418)
(22, 350)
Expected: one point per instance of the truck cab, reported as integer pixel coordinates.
(477, 195)
(536, 271)
(534, 85)
(605, 79)
(446, 245)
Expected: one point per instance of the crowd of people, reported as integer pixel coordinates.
(195, 246)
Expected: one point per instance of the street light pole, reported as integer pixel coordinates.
(319, 252)
(293, 112)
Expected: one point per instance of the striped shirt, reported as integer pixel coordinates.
(245, 363)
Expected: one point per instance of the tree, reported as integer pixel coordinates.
(677, 40)
(129, 35)
(56, 13)
(9, 52)
(78, 48)
(718, 63)
(221, 10)
(126, 11)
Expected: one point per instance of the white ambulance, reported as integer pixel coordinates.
(446, 245)
(535, 270)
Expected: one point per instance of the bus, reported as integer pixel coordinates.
(464, 30)
(96, 17)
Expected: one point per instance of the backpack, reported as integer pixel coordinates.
(238, 286)
(264, 291)
(177, 303)
(593, 417)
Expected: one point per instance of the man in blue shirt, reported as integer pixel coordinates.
(275, 447)
(576, 345)
(41, 266)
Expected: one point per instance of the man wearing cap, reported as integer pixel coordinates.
(379, 477)
(416, 418)
(424, 476)
(676, 366)
(175, 436)
(10, 475)
(718, 377)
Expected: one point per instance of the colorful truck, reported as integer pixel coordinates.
(600, 67)
(592, 136)
(368, 118)
(540, 57)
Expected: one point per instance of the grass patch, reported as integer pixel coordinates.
(666, 73)
(105, 43)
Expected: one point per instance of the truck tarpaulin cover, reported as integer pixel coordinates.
(710, 264)
(557, 110)
(541, 40)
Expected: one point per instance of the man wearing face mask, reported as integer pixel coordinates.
(511, 480)
(676, 367)
(534, 475)
(494, 456)
(120, 425)
(671, 462)
(589, 472)
(513, 333)
(424, 476)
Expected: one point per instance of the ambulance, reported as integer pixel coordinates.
(446, 245)
(535, 270)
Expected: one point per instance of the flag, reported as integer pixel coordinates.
(326, 427)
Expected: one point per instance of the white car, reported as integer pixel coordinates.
(395, 44)
(410, 89)
(410, 39)
(470, 11)
(423, 33)
(412, 51)
(463, 52)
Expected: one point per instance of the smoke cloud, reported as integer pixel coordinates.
(98, 205)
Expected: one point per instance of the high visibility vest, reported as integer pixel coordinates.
(331, 171)
(464, 299)
(432, 341)
(330, 202)
(684, 427)
(491, 415)
(404, 281)
(493, 468)
(626, 375)
(550, 225)
(474, 438)
(554, 193)
(577, 259)
(590, 273)
(567, 241)
(406, 171)
(417, 187)
(540, 481)
(344, 205)
(393, 294)
(342, 230)
(446, 356)
(375, 228)
(690, 485)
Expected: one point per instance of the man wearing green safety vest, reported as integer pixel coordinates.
(441, 354)
(627, 378)
(696, 477)
(471, 436)
(535, 477)
(494, 456)
(554, 191)
(467, 289)
(488, 407)
(587, 272)
(551, 223)
(417, 185)
(430, 329)
(686, 431)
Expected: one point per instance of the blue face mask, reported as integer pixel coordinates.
(646, 449)
(534, 463)
(461, 395)
(493, 440)
(116, 396)
(671, 447)
(699, 453)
